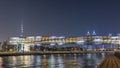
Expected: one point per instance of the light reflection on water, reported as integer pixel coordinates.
(53, 61)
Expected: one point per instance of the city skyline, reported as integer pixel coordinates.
(58, 18)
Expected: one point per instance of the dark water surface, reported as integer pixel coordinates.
(52, 61)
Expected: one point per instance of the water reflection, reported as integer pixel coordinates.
(1, 62)
(60, 62)
(53, 61)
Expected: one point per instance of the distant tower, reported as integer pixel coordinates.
(88, 33)
(22, 29)
(94, 33)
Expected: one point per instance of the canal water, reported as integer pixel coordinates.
(53, 61)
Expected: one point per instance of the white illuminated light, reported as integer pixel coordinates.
(26, 48)
(80, 42)
(30, 37)
(61, 37)
(38, 37)
(53, 37)
(52, 44)
(60, 43)
(97, 40)
(114, 37)
(15, 38)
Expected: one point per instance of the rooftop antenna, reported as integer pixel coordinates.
(22, 28)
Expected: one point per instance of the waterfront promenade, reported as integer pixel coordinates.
(50, 52)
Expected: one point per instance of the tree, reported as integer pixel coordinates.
(5, 46)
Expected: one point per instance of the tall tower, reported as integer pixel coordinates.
(88, 33)
(21, 48)
(94, 33)
(22, 29)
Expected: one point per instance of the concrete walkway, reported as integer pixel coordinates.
(50, 52)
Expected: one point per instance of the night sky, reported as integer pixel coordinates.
(58, 17)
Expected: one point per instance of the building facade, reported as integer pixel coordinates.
(86, 42)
